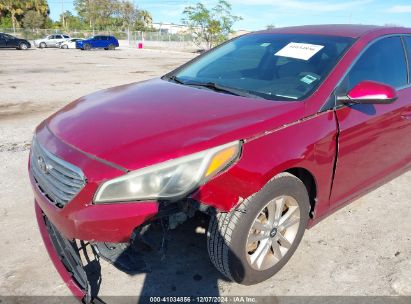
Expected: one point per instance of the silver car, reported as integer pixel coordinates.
(51, 41)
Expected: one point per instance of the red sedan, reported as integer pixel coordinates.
(267, 133)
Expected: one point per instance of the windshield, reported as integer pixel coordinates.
(271, 66)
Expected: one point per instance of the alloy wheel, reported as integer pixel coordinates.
(273, 232)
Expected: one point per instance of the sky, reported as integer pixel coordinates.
(257, 14)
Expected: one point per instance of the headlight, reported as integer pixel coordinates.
(171, 179)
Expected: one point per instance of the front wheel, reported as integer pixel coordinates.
(253, 242)
(42, 45)
(87, 47)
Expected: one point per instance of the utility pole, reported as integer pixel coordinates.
(62, 14)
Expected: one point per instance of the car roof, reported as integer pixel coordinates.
(343, 30)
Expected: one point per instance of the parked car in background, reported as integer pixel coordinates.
(51, 41)
(267, 134)
(69, 44)
(98, 42)
(9, 41)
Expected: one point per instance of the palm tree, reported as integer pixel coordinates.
(146, 17)
(15, 7)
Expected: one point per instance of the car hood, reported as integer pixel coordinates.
(140, 124)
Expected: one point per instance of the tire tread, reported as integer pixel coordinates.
(222, 226)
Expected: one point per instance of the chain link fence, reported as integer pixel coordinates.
(159, 39)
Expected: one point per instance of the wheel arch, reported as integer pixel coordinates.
(310, 184)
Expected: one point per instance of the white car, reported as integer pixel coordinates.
(69, 44)
(51, 41)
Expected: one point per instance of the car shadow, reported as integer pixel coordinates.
(184, 270)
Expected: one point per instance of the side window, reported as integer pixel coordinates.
(407, 40)
(59, 36)
(383, 61)
(65, 36)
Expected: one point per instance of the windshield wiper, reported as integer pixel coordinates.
(176, 79)
(220, 88)
(214, 86)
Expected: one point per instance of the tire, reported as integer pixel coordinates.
(42, 45)
(64, 46)
(228, 233)
(111, 47)
(23, 46)
(87, 47)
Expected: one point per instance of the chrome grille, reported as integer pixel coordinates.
(57, 179)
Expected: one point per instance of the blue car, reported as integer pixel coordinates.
(98, 42)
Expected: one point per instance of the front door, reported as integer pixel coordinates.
(3, 42)
(374, 140)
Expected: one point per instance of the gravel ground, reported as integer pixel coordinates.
(363, 249)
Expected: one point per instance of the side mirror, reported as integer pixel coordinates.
(370, 92)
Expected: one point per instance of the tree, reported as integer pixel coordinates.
(39, 6)
(128, 13)
(210, 26)
(15, 8)
(97, 13)
(33, 20)
(69, 21)
(145, 18)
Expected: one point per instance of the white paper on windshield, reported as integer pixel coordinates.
(302, 51)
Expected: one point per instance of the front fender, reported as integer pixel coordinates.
(309, 143)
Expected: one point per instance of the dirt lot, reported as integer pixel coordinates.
(363, 249)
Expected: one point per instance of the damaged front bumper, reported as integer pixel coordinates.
(66, 259)
(72, 258)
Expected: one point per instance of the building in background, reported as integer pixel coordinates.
(170, 28)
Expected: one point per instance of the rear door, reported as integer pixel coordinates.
(96, 42)
(11, 41)
(374, 140)
(51, 40)
(59, 38)
(103, 41)
(407, 43)
(107, 41)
